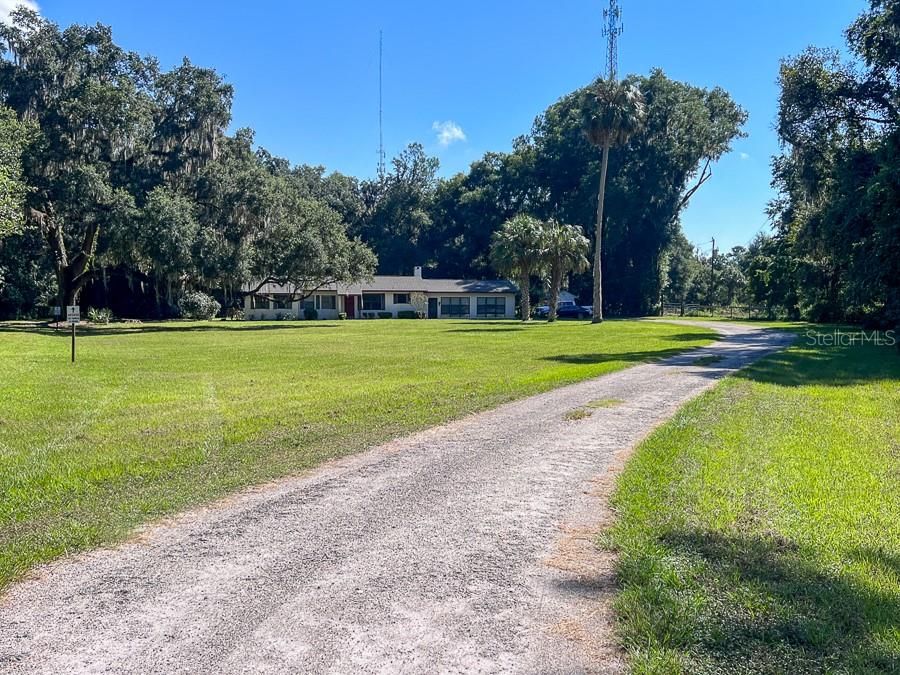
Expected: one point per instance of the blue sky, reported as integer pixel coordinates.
(306, 73)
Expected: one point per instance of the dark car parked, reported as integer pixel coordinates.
(565, 310)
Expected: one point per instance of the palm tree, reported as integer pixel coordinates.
(517, 251)
(613, 113)
(566, 251)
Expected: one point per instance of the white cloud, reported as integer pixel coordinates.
(448, 132)
(744, 156)
(6, 6)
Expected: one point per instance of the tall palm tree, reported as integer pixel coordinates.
(517, 251)
(613, 113)
(566, 251)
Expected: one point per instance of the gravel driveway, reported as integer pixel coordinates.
(465, 548)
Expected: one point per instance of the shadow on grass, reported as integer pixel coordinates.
(490, 325)
(770, 610)
(511, 325)
(486, 331)
(652, 355)
(482, 326)
(828, 366)
(174, 327)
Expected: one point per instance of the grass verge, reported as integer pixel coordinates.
(759, 530)
(155, 418)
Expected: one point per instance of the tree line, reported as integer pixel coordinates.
(133, 191)
(835, 251)
(121, 183)
(122, 189)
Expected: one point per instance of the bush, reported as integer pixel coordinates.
(385, 315)
(100, 315)
(310, 314)
(419, 301)
(198, 305)
(342, 316)
(407, 314)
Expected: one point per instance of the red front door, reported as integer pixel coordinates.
(350, 306)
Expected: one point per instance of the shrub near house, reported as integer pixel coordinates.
(198, 305)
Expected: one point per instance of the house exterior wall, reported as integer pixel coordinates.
(509, 301)
(327, 314)
(389, 304)
(294, 311)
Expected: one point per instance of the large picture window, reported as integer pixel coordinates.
(259, 302)
(327, 302)
(282, 301)
(491, 307)
(373, 302)
(451, 307)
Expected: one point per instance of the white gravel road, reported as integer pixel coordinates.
(466, 548)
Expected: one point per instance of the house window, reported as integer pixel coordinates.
(373, 301)
(401, 298)
(327, 302)
(454, 307)
(282, 301)
(259, 302)
(309, 303)
(491, 307)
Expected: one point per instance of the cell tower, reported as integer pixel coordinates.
(612, 29)
(380, 106)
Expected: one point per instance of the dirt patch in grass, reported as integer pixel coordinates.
(605, 403)
(589, 575)
(588, 408)
(708, 360)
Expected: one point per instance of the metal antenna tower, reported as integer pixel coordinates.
(380, 106)
(612, 29)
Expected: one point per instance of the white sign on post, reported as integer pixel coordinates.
(73, 314)
(57, 311)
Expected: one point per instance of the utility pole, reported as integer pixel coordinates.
(712, 272)
(380, 105)
(612, 29)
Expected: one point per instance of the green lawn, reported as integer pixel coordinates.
(152, 419)
(759, 530)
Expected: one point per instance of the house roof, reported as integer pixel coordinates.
(407, 284)
(412, 284)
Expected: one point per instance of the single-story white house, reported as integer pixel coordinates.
(386, 296)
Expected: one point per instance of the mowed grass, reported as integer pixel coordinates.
(153, 419)
(759, 530)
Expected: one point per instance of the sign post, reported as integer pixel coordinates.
(57, 313)
(73, 316)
